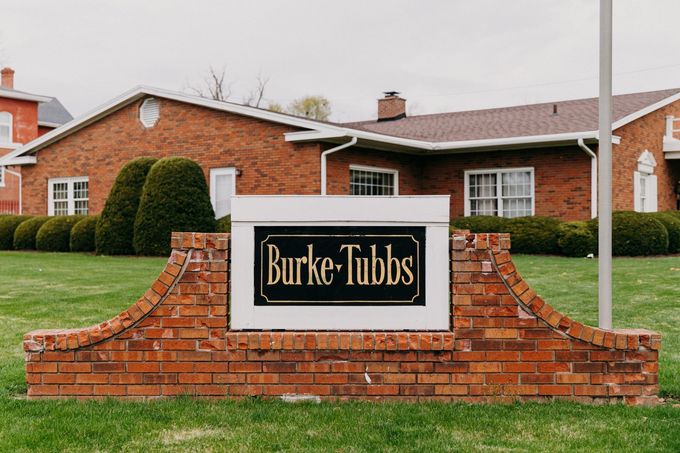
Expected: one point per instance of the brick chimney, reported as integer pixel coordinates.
(391, 107)
(7, 78)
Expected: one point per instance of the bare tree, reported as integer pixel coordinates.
(214, 85)
(254, 98)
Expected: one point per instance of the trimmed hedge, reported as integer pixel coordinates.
(576, 239)
(224, 224)
(24, 235)
(635, 234)
(175, 198)
(534, 234)
(481, 224)
(8, 225)
(82, 238)
(55, 234)
(672, 224)
(115, 228)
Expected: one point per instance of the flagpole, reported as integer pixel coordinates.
(605, 168)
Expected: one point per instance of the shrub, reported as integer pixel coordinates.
(24, 236)
(82, 237)
(576, 239)
(55, 234)
(115, 228)
(635, 234)
(224, 224)
(534, 234)
(8, 225)
(672, 224)
(174, 198)
(481, 224)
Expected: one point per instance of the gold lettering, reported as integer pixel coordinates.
(311, 267)
(326, 265)
(407, 270)
(299, 262)
(350, 270)
(273, 267)
(362, 268)
(376, 263)
(392, 279)
(287, 270)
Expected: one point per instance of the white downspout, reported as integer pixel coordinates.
(593, 177)
(323, 161)
(21, 187)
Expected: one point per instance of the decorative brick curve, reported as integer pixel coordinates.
(505, 344)
(70, 339)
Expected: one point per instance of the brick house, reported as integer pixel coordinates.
(23, 117)
(526, 160)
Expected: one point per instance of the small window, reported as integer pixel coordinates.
(373, 181)
(504, 193)
(645, 196)
(149, 112)
(2, 176)
(68, 196)
(222, 188)
(5, 127)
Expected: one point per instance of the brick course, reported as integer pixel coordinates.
(505, 344)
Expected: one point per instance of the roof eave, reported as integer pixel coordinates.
(24, 96)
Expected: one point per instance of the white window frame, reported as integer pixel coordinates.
(390, 171)
(10, 139)
(223, 171)
(2, 176)
(145, 104)
(71, 202)
(645, 172)
(499, 189)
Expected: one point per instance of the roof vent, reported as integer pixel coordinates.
(554, 109)
(391, 107)
(149, 112)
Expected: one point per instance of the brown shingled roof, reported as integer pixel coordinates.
(579, 115)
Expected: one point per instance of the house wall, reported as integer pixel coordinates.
(268, 164)
(561, 178)
(645, 133)
(24, 117)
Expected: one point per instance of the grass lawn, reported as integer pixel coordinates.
(70, 290)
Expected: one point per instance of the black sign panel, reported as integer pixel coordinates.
(320, 265)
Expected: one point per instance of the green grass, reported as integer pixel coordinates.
(70, 290)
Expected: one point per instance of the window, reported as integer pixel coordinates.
(6, 127)
(68, 196)
(149, 112)
(504, 193)
(222, 188)
(645, 184)
(2, 176)
(373, 181)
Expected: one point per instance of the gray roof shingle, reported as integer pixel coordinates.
(579, 115)
(53, 112)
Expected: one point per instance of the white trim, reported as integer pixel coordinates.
(391, 171)
(12, 94)
(499, 195)
(593, 177)
(11, 130)
(223, 171)
(70, 199)
(48, 124)
(2, 176)
(642, 112)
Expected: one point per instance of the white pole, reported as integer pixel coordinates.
(605, 168)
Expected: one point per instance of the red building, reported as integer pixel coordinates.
(23, 117)
(536, 159)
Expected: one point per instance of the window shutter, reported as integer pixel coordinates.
(149, 112)
(651, 201)
(637, 205)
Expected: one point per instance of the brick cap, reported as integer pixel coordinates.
(70, 339)
(624, 339)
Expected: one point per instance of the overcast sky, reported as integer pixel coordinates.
(442, 55)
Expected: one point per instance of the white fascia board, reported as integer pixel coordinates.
(48, 124)
(24, 96)
(22, 160)
(640, 113)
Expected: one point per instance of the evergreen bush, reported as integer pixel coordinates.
(24, 235)
(115, 228)
(174, 198)
(82, 237)
(55, 234)
(8, 225)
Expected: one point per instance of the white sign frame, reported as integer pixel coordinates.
(432, 212)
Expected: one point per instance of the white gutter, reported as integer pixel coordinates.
(593, 177)
(21, 187)
(323, 161)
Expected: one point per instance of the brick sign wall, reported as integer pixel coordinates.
(505, 344)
